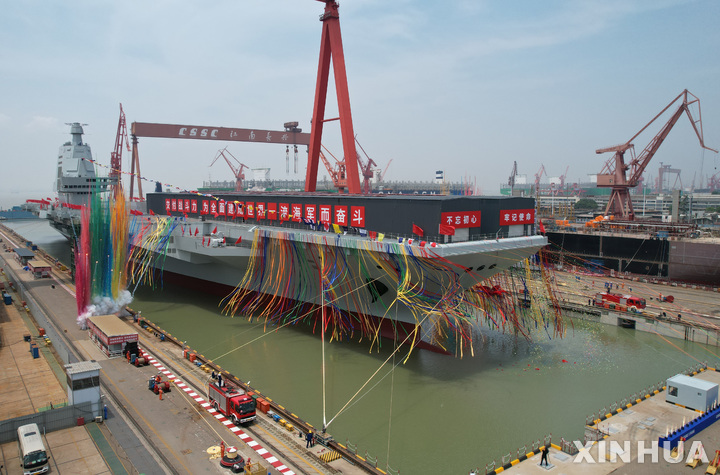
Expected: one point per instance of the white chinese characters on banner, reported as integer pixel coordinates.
(461, 219)
(510, 217)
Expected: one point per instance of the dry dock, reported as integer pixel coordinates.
(174, 435)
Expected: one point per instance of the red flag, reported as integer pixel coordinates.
(418, 230)
(372, 234)
(447, 230)
(238, 240)
(196, 231)
(152, 213)
(214, 230)
(542, 228)
(203, 243)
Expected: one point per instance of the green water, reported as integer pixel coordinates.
(435, 413)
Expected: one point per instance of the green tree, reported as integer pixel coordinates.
(586, 204)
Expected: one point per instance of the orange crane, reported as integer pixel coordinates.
(116, 155)
(238, 172)
(615, 172)
(365, 168)
(337, 175)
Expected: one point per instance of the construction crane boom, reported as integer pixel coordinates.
(116, 155)
(619, 176)
(539, 175)
(237, 172)
(382, 177)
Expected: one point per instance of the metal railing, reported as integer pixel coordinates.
(48, 421)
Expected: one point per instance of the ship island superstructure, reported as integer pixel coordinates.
(75, 182)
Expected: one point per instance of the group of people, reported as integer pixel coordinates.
(218, 377)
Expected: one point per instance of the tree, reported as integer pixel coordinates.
(586, 204)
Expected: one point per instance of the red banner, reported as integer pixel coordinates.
(341, 217)
(517, 216)
(461, 219)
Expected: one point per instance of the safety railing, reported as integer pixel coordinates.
(518, 454)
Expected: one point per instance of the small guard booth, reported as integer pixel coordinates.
(693, 393)
(83, 384)
(110, 334)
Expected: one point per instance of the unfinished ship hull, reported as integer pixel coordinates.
(368, 281)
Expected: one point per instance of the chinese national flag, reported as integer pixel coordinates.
(152, 213)
(447, 230)
(542, 228)
(203, 241)
(196, 231)
(214, 230)
(238, 240)
(418, 230)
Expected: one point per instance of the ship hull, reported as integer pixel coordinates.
(444, 273)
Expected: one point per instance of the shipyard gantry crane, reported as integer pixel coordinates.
(116, 155)
(331, 49)
(664, 170)
(238, 172)
(619, 176)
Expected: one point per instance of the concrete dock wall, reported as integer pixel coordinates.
(671, 328)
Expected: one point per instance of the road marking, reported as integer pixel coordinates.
(264, 453)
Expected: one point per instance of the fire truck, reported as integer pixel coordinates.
(620, 302)
(232, 402)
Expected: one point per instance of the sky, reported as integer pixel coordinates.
(464, 86)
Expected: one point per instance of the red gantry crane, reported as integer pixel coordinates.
(331, 49)
(116, 155)
(238, 172)
(619, 176)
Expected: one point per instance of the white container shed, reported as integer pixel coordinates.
(693, 393)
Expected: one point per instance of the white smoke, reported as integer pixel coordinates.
(104, 306)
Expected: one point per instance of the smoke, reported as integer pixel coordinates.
(104, 306)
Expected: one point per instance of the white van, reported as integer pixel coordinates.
(33, 457)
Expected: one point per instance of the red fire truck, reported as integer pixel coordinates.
(620, 302)
(232, 402)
